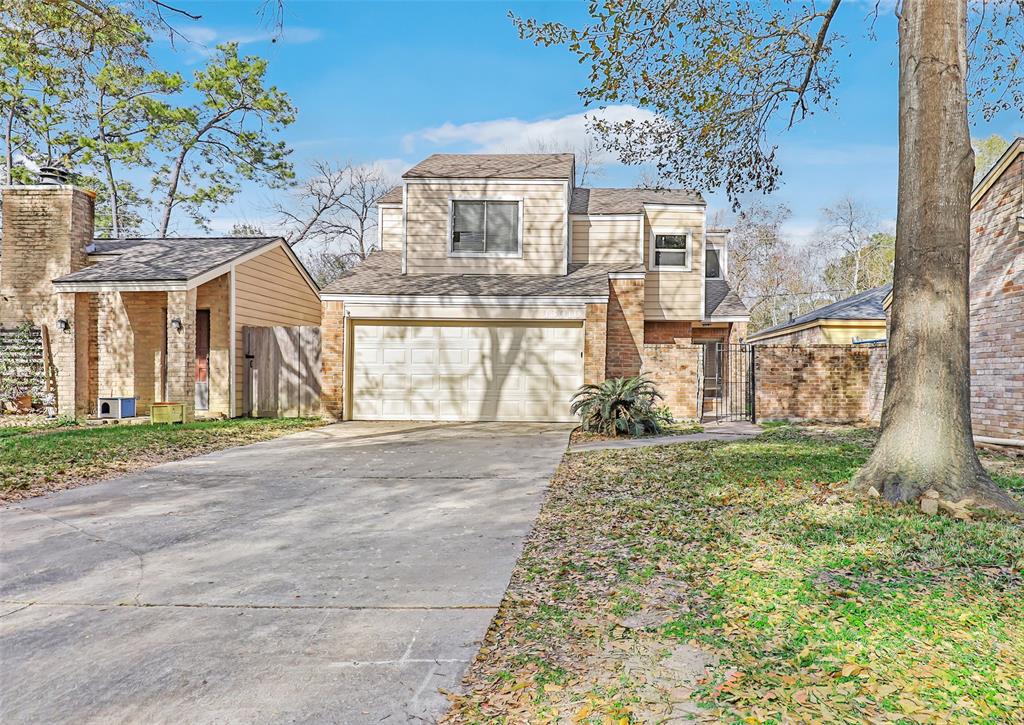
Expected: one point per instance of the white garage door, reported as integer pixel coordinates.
(455, 371)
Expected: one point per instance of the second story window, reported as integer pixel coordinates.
(485, 227)
(671, 251)
(712, 264)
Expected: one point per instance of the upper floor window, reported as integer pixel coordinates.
(485, 227)
(671, 251)
(712, 263)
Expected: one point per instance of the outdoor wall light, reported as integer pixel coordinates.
(64, 325)
(176, 324)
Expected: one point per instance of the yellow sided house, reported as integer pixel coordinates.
(860, 318)
(501, 287)
(138, 322)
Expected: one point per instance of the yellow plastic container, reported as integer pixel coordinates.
(167, 412)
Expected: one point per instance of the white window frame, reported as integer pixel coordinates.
(518, 254)
(720, 248)
(671, 267)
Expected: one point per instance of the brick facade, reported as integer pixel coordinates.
(832, 383)
(674, 368)
(625, 332)
(215, 296)
(45, 232)
(332, 355)
(997, 307)
(181, 350)
(595, 329)
(664, 332)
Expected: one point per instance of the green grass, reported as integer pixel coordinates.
(822, 606)
(40, 459)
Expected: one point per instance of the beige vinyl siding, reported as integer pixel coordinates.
(672, 295)
(596, 240)
(543, 222)
(391, 228)
(269, 291)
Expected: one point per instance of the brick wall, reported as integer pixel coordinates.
(45, 232)
(997, 308)
(674, 369)
(181, 350)
(595, 329)
(661, 332)
(834, 383)
(130, 332)
(625, 336)
(332, 336)
(215, 296)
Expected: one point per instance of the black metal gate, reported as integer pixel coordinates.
(727, 382)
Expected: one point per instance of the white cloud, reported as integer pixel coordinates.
(203, 40)
(512, 135)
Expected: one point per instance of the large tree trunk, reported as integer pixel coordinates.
(926, 440)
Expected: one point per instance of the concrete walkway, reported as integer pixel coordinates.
(732, 431)
(338, 575)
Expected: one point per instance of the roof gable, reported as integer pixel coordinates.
(171, 261)
(1012, 151)
(494, 166)
(865, 305)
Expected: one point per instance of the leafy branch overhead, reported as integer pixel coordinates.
(224, 138)
(79, 89)
(723, 76)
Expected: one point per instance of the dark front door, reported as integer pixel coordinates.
(202, 359)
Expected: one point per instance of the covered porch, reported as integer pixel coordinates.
(154, 342)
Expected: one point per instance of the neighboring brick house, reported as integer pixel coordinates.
(860, 318)
(501, 287)
(997, 300)
(151, 319)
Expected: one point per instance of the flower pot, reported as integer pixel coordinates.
(23, 403)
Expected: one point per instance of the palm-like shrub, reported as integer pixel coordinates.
(619, 406)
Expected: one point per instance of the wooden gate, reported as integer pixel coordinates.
(282, 376)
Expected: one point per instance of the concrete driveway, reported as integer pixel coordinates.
(340, 575)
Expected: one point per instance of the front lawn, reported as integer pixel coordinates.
(811, 605)
(37, 460)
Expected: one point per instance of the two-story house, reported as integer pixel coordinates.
(501, 287)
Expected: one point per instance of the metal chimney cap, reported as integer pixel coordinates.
(56, 175)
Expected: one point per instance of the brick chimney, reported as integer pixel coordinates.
(46, 228)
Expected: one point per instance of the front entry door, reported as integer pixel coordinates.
(202, 359)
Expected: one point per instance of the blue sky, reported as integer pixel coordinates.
(391, 82)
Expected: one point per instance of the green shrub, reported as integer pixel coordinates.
(620, 406)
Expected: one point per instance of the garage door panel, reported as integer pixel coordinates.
(458, 371)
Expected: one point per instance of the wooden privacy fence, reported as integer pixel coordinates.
(282, 376)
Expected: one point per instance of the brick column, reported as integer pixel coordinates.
(595, 342)
(332, 335)
(181, 350)
(625, 327)
(70, 351)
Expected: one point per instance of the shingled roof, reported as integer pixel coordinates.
(163, 260)
(392, 197)
(381, 274)
(493, 166)
(627, 201)
(721, 301)
(863, 306)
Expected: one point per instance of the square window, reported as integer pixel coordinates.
(671, 250)
(485, 227)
